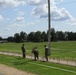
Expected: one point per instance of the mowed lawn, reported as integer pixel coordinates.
(37, 67)
(62, 50)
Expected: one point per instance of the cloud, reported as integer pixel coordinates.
(7, 19)
(34, 2)
(73, 24)
(19, 18)
(16, 26)
(21, 25)
(60, 15)
(40, 11)
(21, 13)
(1, 18)
(57, 14)
(14, 3)
(6, 29)
(61, 0)
(30, 23)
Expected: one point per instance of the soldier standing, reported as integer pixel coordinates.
(46, 52)
(23, 51)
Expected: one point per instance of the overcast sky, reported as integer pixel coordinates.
(31, 15)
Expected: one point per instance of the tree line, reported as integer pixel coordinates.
(39, 36)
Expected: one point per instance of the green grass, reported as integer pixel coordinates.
(65, 50)
(16, 47)
(62, 50)
(37, 67)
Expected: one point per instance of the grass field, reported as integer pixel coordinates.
(37, 67)
(62, 50)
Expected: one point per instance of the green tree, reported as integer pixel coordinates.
(23, 36)
(30, 36)
(70, 36)
(44, 36)
(37, 36)
(10, 39)
(0, 38)
(60, 35)
(53, 34)
(17, 38)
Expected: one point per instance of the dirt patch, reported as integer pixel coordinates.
(5, 70)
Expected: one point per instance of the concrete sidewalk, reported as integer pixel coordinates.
(59, 61)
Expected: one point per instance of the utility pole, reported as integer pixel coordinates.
(49, 30)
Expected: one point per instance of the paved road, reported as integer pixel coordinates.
(66, 62)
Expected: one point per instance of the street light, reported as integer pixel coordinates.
(49, 30)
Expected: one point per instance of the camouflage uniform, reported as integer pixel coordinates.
(46, 52)
(36, 54)
(23, 51)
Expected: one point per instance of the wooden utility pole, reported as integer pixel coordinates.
(49, 26)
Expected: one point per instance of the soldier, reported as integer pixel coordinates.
(23, 51)
(36, 53)
(46, 52)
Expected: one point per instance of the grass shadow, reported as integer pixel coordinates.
(22, 61)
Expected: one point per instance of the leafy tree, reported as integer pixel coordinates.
(10, 39)
(0, 38)
(37, 36)
(53, 34)
(30, 36)
(23, 36)
(43, 36)
(66, 36)
(70, 35)
(60, 35)
(75, 36)
(17, 38)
